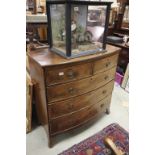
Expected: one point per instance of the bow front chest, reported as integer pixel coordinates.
(71, 92)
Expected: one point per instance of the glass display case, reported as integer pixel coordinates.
(77, 27)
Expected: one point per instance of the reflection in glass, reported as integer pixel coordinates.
(87, 28)
(58, 26)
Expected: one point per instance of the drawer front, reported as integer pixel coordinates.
(70, 121)
(105, 64)
(124, 53)
(65, 74)
(72, 89)
(60, 108)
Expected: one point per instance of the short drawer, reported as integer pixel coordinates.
(105, 64)
(60, 108)
(72, 120)
(72, 89)
(63, 74)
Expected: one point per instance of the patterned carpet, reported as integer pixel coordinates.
(94, 145)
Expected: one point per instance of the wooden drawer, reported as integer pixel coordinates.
(125, 53)
(65, 74)
(72, 89)
(105, 64)
(60, 108)
(74, 119)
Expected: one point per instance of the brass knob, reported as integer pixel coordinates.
(107, 64)
(106, 77)
(71, 120)
(104, 91)
(92, 112)
(71, 74)
(102, 105)
(70, 106)
(71, 90)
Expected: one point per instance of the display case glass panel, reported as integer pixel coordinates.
(58, 26)
(87, 28)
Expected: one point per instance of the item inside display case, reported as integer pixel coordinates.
(125, 21)
(78, 29)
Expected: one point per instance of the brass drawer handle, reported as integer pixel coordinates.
(107, 64)
(106, 77)
(71, 91)
(70, 106)
(102, 105)
(91, 110)
(104, 91)
(71, 74)
(71, 120)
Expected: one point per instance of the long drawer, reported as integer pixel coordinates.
(105, 64)
(60, 108)
(63, 74)
(72, 89)
(71, 120)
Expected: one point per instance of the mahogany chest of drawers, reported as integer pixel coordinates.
(70, 93)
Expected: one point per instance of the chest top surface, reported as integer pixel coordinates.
(45, 57)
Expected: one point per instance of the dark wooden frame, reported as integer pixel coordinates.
(68, 4)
